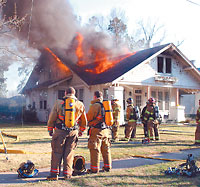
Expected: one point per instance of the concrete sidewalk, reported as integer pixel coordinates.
(11, 178)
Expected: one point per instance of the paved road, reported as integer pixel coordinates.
(10, 178)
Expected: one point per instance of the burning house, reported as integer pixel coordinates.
(162, 72)
(89, 61)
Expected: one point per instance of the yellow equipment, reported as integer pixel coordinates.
(4, 145)
(69, 112)
(108, 113)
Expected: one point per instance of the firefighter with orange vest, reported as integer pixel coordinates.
(99, 132)
(116, 109)
(132, 115)
(197, 132)
(66, 122)
(150, 115)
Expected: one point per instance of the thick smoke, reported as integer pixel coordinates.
(49, 23)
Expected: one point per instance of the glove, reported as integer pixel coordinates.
(80, 133)
(50, 133)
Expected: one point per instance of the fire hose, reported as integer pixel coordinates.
(148, 157)
(21, 152)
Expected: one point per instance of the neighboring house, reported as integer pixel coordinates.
(162, 72)
(191, 103)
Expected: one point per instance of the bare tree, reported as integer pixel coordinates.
(7, 53)
(150, 31)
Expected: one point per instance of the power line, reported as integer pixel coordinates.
(193, 2)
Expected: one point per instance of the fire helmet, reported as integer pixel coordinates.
(79, 165)
(113, 98)
(151, 100)
(129, 100)
(27, 170)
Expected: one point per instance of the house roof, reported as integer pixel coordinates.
(113, 73)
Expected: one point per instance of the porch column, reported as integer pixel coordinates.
(177, 97)
(117, 91)
(148, 92)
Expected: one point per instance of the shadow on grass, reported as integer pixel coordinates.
(33, 141)
(151, 144)
(128, 180)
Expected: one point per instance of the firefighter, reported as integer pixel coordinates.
(197, 132)
(116, 108)
(64, 139)
(132, 114)
(99, 132)
(150, 114)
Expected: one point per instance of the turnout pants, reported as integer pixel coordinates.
(145, 129)
(115, 130)
(99, 143)
(63, 145)
(130, 130)
(152, 126)
(197, 134)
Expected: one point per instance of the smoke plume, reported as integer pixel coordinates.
(48, 22)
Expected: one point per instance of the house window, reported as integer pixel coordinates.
(160, 64)
(153, 94)
(138, 91)
(160, 100)
(168, 65)
(45, 104)
(164, 65)
(124, 102)
(41, 104)
(105, 93)
(138, 100)
(166, 100)
(61, 94)
(33, 104)
(81, 94)
(130, 94)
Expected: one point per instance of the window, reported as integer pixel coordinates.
(166, 100)
(45, 104)
(33, 104)
(160, 100)
(138, 91)
(153, 94)
(81, 91)
(168, 65)
(138, 100)
(105, 93)
(160, 64)
(41, 104)
(164, 65)
(61, 94)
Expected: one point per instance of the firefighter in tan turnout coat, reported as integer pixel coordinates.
(64, 139)
(116, 108)
(98, 141)
(132, 114)
(150, 115)
(197, 132)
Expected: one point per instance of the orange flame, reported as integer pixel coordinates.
(59, 62)
(102, 62)
(101, 58)
(79, 50)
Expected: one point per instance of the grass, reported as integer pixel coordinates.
(36, 139)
